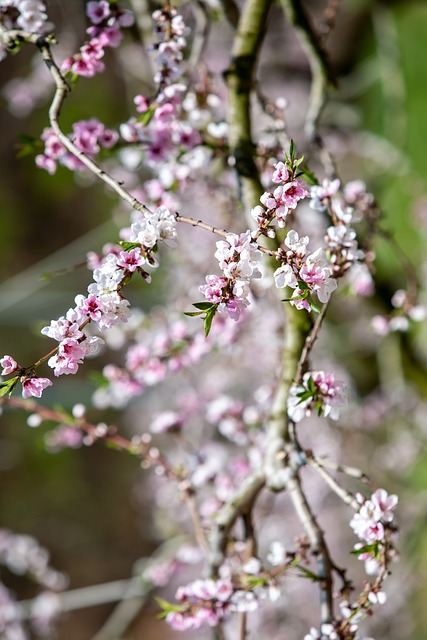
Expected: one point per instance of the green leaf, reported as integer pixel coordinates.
(205, 306)
(372, 549)
(309, 176)
(145, 117)
(255, 581)
(303, 296)
(311, 386)
(28, 145)
(167, 607)
(98, 379)
(128, 246)
(193, 313)
(7, 386)
(292, 151)
(306, 573)
(314, 307)
(208, 319)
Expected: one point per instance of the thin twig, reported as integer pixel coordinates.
(195, 517)
(318, 545)
(64, 418)
(309, 343)
(243, 625)
(220, 232)
(353, 472)
(342, 493)
(317, 59)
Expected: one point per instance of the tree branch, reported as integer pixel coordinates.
(240, 78)
(278, 434)
(317, 59)
(226, 517)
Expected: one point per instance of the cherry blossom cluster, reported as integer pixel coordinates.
(407, 309)
(105, 305)
(208, 601)
(105, 31)
(22, 555)
(283, 200)
(233, 419)
(31, 384)
(238, 258)
(318, 392)
(28, 15)
(149, 361)
(89, 136)
(304, 274)
(372, 525)
(334, 631)
(159, 129)
(345, 208)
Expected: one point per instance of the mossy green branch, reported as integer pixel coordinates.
(240, 78)
(278, 434)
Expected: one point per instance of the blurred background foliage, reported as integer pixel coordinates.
(81, 505)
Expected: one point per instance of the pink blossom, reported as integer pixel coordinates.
(34, 386)
(281, 173)
(213, 288)
(142, 103)
(328, 396)
(92, 50)
(130, 260)
(316, 273)
(166, 422)
(296, 244)
(268, 200)
(110, 37)
(70, 355)
(284, 277)
(181, 622)
(385, 503)
(64, 327)
(9, 365)
(233, 307)
(90, 306)
(97, 12)
(62, 437)
(290, 194)
(46, 163)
